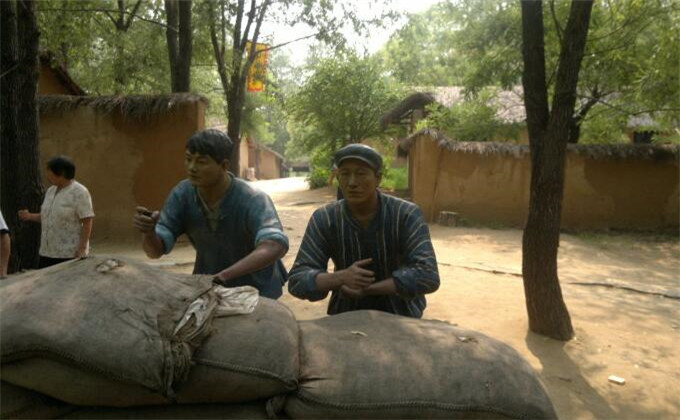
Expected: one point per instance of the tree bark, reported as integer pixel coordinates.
(171, 37)
(549, 131)
(185, 47)
(179, 38)
(21, 180)
(8, 120)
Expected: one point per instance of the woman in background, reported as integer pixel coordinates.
(65, 215)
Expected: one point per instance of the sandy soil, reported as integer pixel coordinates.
(627, 318)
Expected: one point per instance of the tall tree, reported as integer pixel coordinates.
(423, 52)
(179, 38)
(246, 26)
(342, 101)
(21, 181)
(233, 23)
(122, 21)
(110, 47)
(548, 135)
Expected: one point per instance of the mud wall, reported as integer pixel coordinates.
(124, 163)
(599, 193)
(269, 166)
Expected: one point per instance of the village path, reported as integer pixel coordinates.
(626, 318)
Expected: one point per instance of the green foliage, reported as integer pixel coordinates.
(340, 103)
(394, 178)
(343, 100)
(422, 52)
(100, 58)
(604, 128)
(320, 168)
(630, 67)
(470, 120)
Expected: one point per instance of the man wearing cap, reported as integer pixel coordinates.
(234, 227)
(380, 246)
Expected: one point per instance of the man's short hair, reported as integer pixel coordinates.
(62, 166)
(359, 151)
(211, 142)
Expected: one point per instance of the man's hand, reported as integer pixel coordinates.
(24, 215)
(144, 220)
(356, 277)
(352, 292)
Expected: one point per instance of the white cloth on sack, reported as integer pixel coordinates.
(231, 301)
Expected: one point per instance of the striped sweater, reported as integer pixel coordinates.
(397, 240)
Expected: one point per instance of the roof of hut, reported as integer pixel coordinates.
(508, 103)
(657, 152)
(47, 59)
(134, 107)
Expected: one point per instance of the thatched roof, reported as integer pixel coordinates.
(270, 150)
(47, 59)
(508, 103)
(418, 100)
(592, 151)
(134, 107)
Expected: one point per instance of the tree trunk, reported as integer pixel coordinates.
(8, 126)
(21, 185)
(120, 75)
(179, 38)
(171, 37)
(185, 47)
(548, 135)
(235, 102)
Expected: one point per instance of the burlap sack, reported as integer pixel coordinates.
(22, 403)
(254, 410)
(246, 357)
(99, 331)
(369, 364)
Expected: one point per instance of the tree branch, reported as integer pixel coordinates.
(558, 28)
(108, 13)
(289, 42)
(132, 15)
(251, 17)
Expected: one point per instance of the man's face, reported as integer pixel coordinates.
(358, 181)
(202, 170)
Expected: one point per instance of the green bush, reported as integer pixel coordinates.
(395, 178)
(319, 168)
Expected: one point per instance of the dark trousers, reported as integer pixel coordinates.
(47, 261)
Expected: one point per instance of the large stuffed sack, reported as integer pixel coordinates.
(370, 364)
(100, 331)
(22, 403)
(252, 410)
(246, 357)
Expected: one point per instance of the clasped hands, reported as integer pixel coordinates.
(355, 279)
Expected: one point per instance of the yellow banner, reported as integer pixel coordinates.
(257, 73)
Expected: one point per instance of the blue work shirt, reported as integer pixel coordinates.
(246, 217)
(398, 241)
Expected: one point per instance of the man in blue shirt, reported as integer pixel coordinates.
(380, 245)
(234, 228)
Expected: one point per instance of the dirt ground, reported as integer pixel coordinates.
(622, 290)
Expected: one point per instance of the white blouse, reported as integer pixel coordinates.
(60, 217)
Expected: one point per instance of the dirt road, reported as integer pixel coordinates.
(627, 316)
